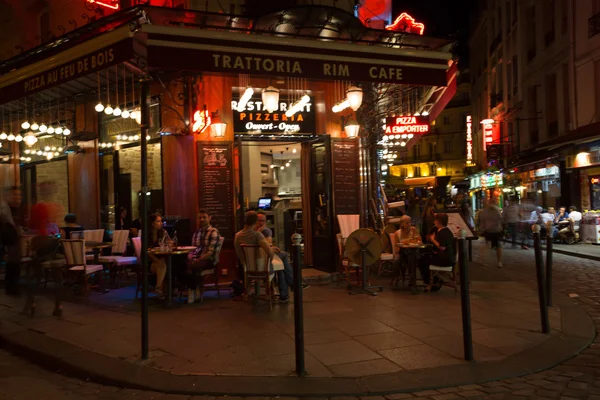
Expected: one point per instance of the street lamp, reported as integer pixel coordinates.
(217, 127)
(352, 128)
(354, 95)
(270, 98)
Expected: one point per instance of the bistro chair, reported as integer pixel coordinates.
(215, 271)
(388, 259)
(137, 248)
(257, 269)
(346, 266)
(93, 235)
(76, 260)
(76, 235)
(451, 270)
(117, 260)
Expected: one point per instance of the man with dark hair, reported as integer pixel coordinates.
(206, 240)
(442, 253)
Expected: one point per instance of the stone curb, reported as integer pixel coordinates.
(578, 332)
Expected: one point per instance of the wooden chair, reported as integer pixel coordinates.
(257, 269)
(345, 264)
(93, 235)
(215, 271)
(76, 260)
(451, 270)
(117, 260)
(388, 258)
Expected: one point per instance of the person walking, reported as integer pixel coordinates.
(510, 215)
(490, 223)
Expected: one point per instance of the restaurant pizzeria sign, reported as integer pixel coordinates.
(405, 125)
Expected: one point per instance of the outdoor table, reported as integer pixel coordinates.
(95, 247)
(168, 254)
(413, 250)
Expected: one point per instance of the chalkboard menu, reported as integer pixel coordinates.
(216, 185)
(345, 175)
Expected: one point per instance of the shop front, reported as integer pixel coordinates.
(587, 163)
(538, 182)
(484, 186)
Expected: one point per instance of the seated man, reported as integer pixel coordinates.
(249, 235)
(569, 231)
(287, 274)
(443, 249)
(561, 220)
(206, 240)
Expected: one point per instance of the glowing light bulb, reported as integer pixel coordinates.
(47, 148)
(117, 111)
(294, 150)
(99, 107)
(67, 132)
(35, 126)
(18, 138)
(108, 110)
(25, 125)
(3, 136)
(11, 137)
(39, 153)
(43, 127)
(50, 129)
(58, 130)
(148, 137)
(125, 114)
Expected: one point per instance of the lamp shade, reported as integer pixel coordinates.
(270, 98)
(30, 139)
(217, 127)
(354, 95)
(352, 128)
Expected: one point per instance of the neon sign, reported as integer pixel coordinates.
(404, 125)
(488, 132)
(406, 23)
(469, 141)
(112, 4)
(202, 120)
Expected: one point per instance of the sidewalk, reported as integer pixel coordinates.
(354, 344)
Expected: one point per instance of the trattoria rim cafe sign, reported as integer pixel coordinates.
(256, 119)
(66, 72)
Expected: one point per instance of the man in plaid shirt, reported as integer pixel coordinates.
(206, 240)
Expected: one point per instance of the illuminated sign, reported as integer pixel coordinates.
(406, 23)
(595, 181)
(405, 125)
(112, 4)
(488, 132)
(469, 140)
(202, 120)
(254, 118)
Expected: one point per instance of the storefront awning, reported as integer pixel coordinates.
(426, 181)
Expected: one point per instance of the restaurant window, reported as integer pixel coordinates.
(52, 186)
(404, 172)
(416, 150)
(417, 172)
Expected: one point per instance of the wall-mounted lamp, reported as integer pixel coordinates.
(217, 126)
(352, 128)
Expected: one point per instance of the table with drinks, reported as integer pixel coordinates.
(412, 245)
(168, 249)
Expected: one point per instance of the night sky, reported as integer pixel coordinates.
(441, 17)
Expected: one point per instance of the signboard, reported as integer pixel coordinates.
(406, 125)
(469, 141)
(96, 61)
(216, 185)
(374, 13)
(405, 23)
(488, 134)
(345, 176)
(313, 65)
(255, 118)
(456, 223)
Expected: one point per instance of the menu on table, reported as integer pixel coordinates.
(345, 176)
(215, 165)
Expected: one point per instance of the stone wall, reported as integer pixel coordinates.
(129, 163)
(53, 179)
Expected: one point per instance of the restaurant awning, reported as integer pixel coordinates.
(425, 181)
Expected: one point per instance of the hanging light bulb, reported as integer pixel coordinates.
(25, 125)
(99, 107)
(47, 148)
(49, 156)
(18, 138)
(30, 139)
(11, 137)
(125, 114)
(3, 136)
(241, 106)
(117, 111)
(294, 150)
(66, 132)
(58, 130)
(133, 114)
(138, 117)
(60, 149)
(282, 167)
(50, 129)
(34, 126)
(402, 143)
(108, 110)
(43, 127)
(352, 128)
(354, 95)
(270, 98)
(287, 164)
(39, 153)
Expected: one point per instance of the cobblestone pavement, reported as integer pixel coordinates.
(578, 378)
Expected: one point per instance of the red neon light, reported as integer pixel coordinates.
(406, 23)
(112, 4)
(488, 135)
(469, 139)
(202, 120)
(401, 125)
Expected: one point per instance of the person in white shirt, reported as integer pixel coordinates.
(568, 232)
(510, 216)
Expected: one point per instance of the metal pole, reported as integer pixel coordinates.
(470, 250)
(465, 301)
(145, 122)
(539, 267)
(549, 266)
(298, 312)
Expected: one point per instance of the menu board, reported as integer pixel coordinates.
(345, 175)
(216, 185)
(456, 222)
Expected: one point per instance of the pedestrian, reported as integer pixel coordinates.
(490, 222)
(428, 217)
(510, 216)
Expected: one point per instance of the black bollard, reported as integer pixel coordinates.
(298, 312)
(541, 282)
(465, 301)
(549, 268)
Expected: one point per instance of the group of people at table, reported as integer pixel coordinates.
(441, 251)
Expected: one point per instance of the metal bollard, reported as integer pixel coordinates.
(298, 311)
(549, 240)
(465, 301)
(539, 267)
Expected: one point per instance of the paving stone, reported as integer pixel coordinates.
(426, 393)
(447, 396)
(577, 385)
(371, 398)
(471, 393)
(470, 387)
(539, 382)
(494, 390)
(558, 378)
(573, 374)
(525, 392)
(520, 386)
(547, 393)
(398, 396)
(580, 394)
(449, 390)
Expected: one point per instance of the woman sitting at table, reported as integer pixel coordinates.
(158, 264)
(71, 225)
(407, 234)
(442, 254)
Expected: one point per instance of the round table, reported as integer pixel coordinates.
(413, 250)
(95, 247)
(168, 254)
